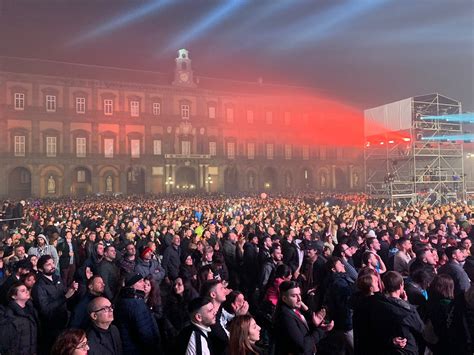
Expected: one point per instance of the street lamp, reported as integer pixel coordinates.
(169, 182)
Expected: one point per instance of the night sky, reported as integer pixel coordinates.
(363, 53)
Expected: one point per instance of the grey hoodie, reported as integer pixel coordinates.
(47, 249)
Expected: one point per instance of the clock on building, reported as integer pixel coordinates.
(184, 77)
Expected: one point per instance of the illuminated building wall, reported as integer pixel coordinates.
(71, 129)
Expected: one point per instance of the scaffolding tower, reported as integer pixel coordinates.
(409, 157)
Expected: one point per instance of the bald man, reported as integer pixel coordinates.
(102, 336)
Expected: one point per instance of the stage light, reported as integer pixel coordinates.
(406, 139)
(391, 142)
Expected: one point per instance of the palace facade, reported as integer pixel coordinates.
(72, 129)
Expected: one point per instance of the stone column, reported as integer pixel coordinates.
(333, 177)
(167, 174)
(123, 181)
(201, 182)
(351, 183)
(173, 176)
(95, 180)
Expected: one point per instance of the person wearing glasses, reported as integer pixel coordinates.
(71, 342)
(102, 335)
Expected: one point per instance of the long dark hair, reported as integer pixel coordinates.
(154, 298)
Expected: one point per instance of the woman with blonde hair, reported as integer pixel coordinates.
(244, 333)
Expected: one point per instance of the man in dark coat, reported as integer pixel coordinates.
(394, 324)
(290, 252)
(102, 336)
(138, 329)
(49, 297)
(110, 273)
(250, 266)
(294, 333)
(172, 258)
(337, 300)
(80, 317)
(454, 269)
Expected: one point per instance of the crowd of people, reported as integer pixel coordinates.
(237, 275)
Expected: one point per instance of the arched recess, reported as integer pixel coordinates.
(341, 180)
(81, 181)
(270, 179)
(288, 180)
(306, 178)
(231, 178)
(186, 179)
(19, 182)
(323, 179)
(51, 181)
(109, 179)
(251, 182)
(135, 180)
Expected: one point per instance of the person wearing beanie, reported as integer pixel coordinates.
(146, 265)
(138, 329)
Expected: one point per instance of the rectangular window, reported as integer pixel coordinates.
(134, 108)
(157, 147)
(108, 107)
(212, 149)
(185, 112)
(156, 109)
(305, 152)
(231, 150)
(50, 146)
(50, 103)
(185, 147)
(80, 147)
(269, 117)
(108, 148)
(269, 151)
(212, 111)
(81, 176)
(251, 151)
(80, 105)
(288, 152)
(135, 148)
(249, 116)
(229, 114)
(322, 152)
(19, 101)
(287, 118)
(19, 146)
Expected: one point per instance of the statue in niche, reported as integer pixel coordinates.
(288, 180)
(251, 181)
(51, 185)
(108, 184)
(355, 179)
(323, 180)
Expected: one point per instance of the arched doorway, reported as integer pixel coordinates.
(341, 180)
(306, 179)
(19, 183)
(135, 180)
(251, 180)
(231, 179)
(186, 179)
(81, 181)
(270, 179)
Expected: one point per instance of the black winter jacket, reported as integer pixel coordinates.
(138, 328)
(19, 330)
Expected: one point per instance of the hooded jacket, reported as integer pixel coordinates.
(47, 249)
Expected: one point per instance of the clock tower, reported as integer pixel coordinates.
(183, 74)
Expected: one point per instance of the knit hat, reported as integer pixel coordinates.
(145, 250)
(132, 278)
